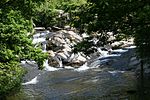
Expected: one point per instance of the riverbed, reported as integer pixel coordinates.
(108, 77)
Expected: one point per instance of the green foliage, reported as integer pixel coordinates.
(83, 18)
(10, 76)
(13, 37)
(104, 16)
(26, 7)
(84, 46)
(48, 13)
(45, 14)
(129, 17)
(142, 36)
(15, 44)
(38, 56)
(14, 41)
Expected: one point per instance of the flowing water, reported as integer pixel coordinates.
(84, 83)
(93, 84)
(106, 78)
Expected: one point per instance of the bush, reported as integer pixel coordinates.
(15, 44)
(10, 76)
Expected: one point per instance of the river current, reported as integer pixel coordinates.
(110, 81)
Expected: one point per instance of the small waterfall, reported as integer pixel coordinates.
(44, 46)
(37, 38)
(103, 53)
(59, 60)
(41, 38)
(84, 67)
(63, 51)
(49, 68)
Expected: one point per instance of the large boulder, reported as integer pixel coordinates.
(60, 48)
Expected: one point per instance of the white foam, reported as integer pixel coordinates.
(81, 58)
(49, 68)
(108, 56)
(59, 60)
(37, 35)
(38, 40)
(120, 50)
(115, 72)
(68, 67)
(131, 47)
(83, 68)
(95, 63)
(28, 62)
(84, 35)
(103, 53)
(60, 64)
(23, 62)
(44, 46)
(33, 81)
(44, 34)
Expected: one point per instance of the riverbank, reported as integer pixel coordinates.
(110, 75)
(104, 82)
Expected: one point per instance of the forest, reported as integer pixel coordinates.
(18, 18)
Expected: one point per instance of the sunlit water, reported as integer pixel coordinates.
(106, 78)
(83, 83)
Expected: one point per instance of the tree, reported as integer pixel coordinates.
(15, 44)
(129, 17)
(51, 12)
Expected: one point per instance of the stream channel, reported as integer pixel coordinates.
(106, 82)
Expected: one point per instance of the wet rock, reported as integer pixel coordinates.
(117, 44)
(60, 47)
(53, 62)
(123, 43)
(54, 28)
(111, 36)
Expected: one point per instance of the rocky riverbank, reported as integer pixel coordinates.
(106, 74)
(60, 46)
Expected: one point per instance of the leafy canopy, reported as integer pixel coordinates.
(15, 44)
(129, 17)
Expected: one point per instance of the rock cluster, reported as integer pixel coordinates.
(60, 48)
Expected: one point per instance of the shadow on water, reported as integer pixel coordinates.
(94, 84)
(143, 85)
(143, 92)
(90, 85)
(86, 86)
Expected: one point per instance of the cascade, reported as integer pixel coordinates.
(40, 38)
(49, 68)
(62, 39)
(87, 78)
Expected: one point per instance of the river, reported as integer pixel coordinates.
(114, 79)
